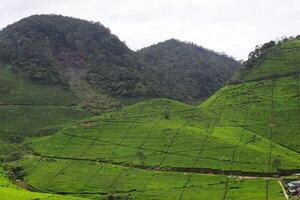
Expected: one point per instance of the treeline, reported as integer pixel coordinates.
(258, 55)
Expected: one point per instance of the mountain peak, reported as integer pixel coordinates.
(54, 49)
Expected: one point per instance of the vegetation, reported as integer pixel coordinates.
(78, 54)
(258, 54)
(10, 191)
(211, 138)
(271, 61)
(186, 71)
(232, 146)
(28, 109)
(245, 129)
(92, 179)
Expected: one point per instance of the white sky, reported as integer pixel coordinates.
(230, 26)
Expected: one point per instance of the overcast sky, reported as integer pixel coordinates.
(231, 26)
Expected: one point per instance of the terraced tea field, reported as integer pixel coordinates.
(156, 149)
(8, 190)
(94, 179)
(279, 62)
(238, 144)
(28, 109)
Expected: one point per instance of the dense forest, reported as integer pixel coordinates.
(58, 50)
(55, 49)
(186, 71)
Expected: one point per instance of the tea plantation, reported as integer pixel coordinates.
(238, 144)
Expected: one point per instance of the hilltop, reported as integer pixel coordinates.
(271, 60)
(187, 71)
(82, 55)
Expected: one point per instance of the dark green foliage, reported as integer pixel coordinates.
(55, 49)
(52, 49)
(15, 172)
(185, 71)
(271, 60)
(167, 115)
(258, 54)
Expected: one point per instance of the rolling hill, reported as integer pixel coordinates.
(10, 191)
(55, 70)
(188, 72)
(246, 135)
(28, 109)
(82, 55)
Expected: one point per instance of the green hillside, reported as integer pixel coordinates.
(187, 71)
(81, 55)
(281, 59)
(148, 145)
(10, 191)
(170, 134)
(28, 109)
(163, 149)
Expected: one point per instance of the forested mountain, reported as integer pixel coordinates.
(185, 71)
(55, 49)
(85, 56)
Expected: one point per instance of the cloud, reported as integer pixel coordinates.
(232, 26)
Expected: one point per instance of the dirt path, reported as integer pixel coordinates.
(283, 189)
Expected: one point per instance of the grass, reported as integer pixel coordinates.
(28, 109)
(250, 128)
(16, 90)
(147, 150)
(96, 180)
(164, 134)
(9, 191)
(272, 108)
(36, 120)
(281, 61)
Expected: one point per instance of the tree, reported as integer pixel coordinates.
(258, 54)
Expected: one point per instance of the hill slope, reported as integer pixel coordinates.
(51, 49)
(9, 191)
(55, 70)
(29, 109)
(109, 154)
(185, 71)
(249, 129)
(276, 60)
